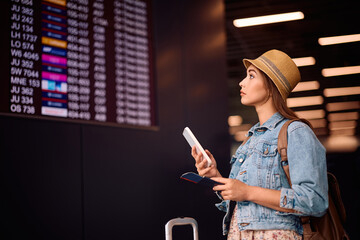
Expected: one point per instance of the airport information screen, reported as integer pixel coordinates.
(80, 60)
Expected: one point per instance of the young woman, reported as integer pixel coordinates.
(266, 207)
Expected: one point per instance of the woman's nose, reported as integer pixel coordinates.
(241, 83)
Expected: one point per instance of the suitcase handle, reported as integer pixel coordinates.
(181, 221)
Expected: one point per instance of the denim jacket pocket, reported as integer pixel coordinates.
(266, 154)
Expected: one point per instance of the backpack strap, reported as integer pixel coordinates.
(282, 148)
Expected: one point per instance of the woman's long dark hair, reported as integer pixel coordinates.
(280, 104)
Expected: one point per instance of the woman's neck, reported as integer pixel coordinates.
(265, 111)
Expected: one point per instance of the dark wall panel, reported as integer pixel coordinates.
(40, 179)
(346, 168)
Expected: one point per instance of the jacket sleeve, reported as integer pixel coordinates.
(308, 195)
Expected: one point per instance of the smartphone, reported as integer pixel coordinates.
(191, 139)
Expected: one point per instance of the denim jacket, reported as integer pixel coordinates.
(257, 163)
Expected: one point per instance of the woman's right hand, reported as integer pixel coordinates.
(201, 164)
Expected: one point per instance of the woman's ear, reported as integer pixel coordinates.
(269, 94)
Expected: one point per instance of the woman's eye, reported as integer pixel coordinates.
(251, 76)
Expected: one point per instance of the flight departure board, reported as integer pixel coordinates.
(80, 60)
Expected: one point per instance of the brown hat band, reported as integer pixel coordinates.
(284, 82)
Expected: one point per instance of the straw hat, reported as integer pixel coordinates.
(280, 68)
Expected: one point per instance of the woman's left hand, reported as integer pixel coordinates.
(231, 189)
(235, 190)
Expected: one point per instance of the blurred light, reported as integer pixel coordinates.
(318, 123)
(339, 39)
(304, 61)
(243, 127)
(333, 92)
(235, 120)
(339, 106)
(304, 101)
(332, 117)
(342, 125)
(306, 86)
(240, 136)
(320, 131)
(311, 114)
(345, 132)
(341, 143)
(330, 72)
(275, 18)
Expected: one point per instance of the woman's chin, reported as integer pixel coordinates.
(244, 102)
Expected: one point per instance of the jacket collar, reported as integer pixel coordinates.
(270, 124)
